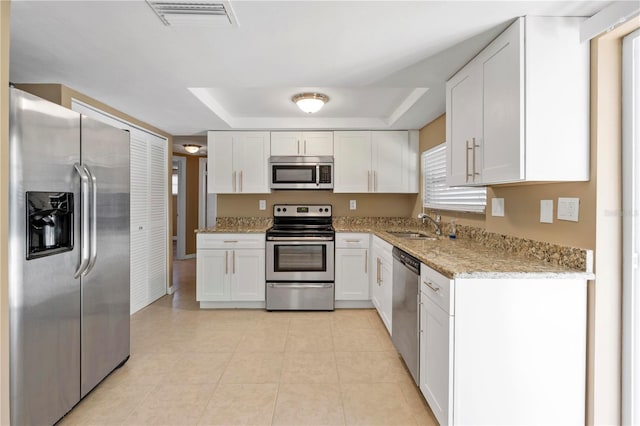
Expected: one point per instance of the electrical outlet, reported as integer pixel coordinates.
(352, 204)
(568, 209)
(262, 204)
(497, 207)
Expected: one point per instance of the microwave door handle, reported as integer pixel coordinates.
(317, 169)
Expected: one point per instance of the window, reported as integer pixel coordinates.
(174, 182)
(437, 195)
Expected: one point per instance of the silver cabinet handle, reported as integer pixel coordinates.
(375, 181)
(366, 261)
(351, 241)
(241, 181)
(368, 180)
(230, 241)
(93, 215)
(475, 145)
(379, 279)
(84, 217)
(226, 262)
(233, 262)
(305, 147)
(298, 146)
(432, 286)
(467, 175)
(234, 181)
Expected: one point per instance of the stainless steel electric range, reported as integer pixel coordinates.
(300, 258)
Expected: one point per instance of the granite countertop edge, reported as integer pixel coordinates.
(424, 250)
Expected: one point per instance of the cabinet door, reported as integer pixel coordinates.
(247, 272)
(502, 147)
(386, 295)
(317, 143)
(212, 275)
(389, 158)
(220, 177)
(435, 358)
(251, 161)
(352, 274)
(286, 143)
(352, 162)
(464, 125)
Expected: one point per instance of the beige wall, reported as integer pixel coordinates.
(370, 205)
(4, 209)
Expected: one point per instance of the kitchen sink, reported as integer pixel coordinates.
(413, 235)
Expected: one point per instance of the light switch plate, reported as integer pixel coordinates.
(497, 207)
(262, 204)
(352, 204)
(568, 209)
(546, 211)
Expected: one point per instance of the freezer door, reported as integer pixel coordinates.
(44, 298)
(105, 285)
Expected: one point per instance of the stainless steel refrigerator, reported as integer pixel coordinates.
(68, 256)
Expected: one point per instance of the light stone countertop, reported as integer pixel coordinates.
(458, 258)
(235, 229)
(465, 258)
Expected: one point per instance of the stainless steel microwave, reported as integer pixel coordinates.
(296, 172)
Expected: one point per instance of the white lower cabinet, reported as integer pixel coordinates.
(352, 266)
(503, 351)
(230, 268)
(382, 279)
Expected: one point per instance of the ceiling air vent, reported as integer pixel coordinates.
(210, 13)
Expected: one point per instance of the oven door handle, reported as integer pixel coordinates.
(299, 286)
(300, 240)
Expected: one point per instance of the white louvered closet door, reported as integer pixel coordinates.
(149, 198)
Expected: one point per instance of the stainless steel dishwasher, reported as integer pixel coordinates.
(406, 313)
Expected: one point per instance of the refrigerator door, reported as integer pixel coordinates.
(105, 285)
(44, 298)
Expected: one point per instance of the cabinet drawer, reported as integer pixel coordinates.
(437, 287)
(385, 249)
(230, 241)
(352, 240)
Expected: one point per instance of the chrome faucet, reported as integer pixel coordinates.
(435, 222)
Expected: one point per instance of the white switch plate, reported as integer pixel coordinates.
(568, 209)
(546, 211)
(352, 204)
(497, 207)
(262, 204)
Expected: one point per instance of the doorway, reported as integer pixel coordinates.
(179, 190)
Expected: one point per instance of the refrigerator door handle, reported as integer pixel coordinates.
(85, 247)
(93, 215)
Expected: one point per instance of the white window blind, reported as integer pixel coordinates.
(437, 195)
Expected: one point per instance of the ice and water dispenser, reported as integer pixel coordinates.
(49, 223)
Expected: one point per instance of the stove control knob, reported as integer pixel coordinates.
(326, 210)
(278, 209)
(284, 209)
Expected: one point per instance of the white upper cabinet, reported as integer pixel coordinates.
(302, 143)
(238, 162)
(519, 111)
(376, 161)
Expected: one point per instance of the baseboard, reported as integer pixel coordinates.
(232, 305)
(353, 304)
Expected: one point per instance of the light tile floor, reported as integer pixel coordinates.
(251, 367)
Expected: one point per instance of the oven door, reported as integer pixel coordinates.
(300, 260)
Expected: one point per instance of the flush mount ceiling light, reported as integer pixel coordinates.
(190, 148)
(310, 102)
